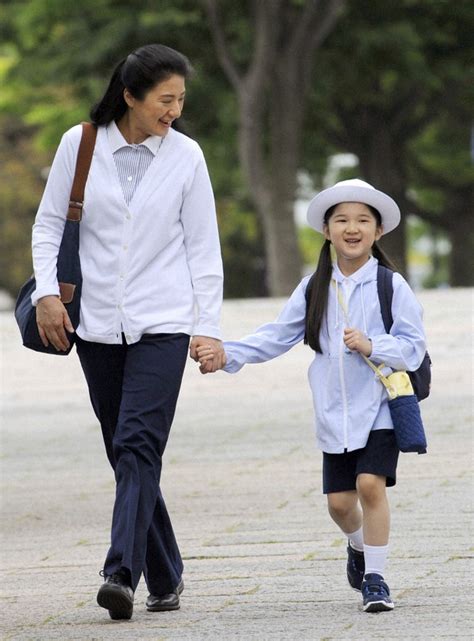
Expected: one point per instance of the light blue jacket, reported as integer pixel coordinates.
(349, 401)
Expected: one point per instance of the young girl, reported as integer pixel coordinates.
(340, 316)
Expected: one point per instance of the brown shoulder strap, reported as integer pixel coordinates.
(83, 163)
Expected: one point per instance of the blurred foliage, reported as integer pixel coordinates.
(55, 63)
(396, 67)
(310, 243)
(241, 236)
(394, 87)
(20, 188)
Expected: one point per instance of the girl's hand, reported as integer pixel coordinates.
(53, 321)
(356, 341)
(209, 359)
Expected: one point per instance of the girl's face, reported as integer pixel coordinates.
(352, 229)
(162, 104)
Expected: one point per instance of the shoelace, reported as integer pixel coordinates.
(376, 588)
(116, 577)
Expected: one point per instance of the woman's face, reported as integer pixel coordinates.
(352, 230)
(162, 104)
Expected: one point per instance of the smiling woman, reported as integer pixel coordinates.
(151, 279)
(153, 115)
(140, 73)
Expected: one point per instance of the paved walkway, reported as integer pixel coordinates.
(242, 479)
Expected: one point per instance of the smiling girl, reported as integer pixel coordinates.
(353, 425)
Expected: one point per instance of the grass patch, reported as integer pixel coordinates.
(252, 590)
(337, 543)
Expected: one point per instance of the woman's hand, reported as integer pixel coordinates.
(52, 320)
(357, 341)
(209, 352)
(207, 359)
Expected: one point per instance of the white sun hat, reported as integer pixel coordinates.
(353, 191)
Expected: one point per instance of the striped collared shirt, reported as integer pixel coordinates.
(131, 160)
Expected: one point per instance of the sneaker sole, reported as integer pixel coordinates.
(378, 606)
(116, 602)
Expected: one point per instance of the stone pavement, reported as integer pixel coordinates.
(242, 479)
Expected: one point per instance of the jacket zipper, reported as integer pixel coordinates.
(343, 393)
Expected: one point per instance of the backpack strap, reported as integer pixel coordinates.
(385, 293)
(83, 163)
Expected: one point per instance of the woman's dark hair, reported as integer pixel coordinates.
(139, 72)
(317, 296)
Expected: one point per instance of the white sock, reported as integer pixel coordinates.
(375, 557)
(356, 539)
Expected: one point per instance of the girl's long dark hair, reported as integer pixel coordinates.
(138, 72)
(318, 285)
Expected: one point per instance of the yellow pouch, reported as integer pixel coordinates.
(400, 384)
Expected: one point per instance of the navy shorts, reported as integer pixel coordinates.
(379, 456)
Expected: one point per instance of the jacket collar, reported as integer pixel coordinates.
(364, 274)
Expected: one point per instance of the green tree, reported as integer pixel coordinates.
(268, 55)
(389, 70)
(443, 175)
(57, 58)
(20, 185)
(389, 84)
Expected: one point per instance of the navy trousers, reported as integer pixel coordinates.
(134, 390)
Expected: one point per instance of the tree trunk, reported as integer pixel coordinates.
(380, 167)
(395, 242)
(461, 236)
(273, 193)
(283, 263)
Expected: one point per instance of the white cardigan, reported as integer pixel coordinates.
(153, 266)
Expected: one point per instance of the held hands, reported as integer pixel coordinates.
(357, 341)
(52, 320)
(209, 352)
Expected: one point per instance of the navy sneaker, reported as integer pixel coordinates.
(376, 594)
(355, 567)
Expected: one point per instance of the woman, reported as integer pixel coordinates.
(152, 277)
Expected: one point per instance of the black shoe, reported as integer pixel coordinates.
(165, 601)
(355, 567)
(116, 596)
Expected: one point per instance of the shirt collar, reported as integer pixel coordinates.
(363, 274)
(117, 141)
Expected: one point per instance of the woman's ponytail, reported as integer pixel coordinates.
(112, 106)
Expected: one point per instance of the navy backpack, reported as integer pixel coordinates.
(420, 378)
